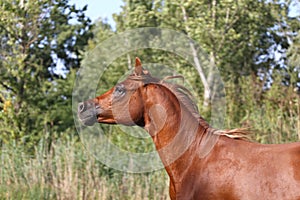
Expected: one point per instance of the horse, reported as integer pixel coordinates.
(201, 162)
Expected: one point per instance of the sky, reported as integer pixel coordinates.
(100, 8)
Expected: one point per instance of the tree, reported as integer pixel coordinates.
(238, 36)
(246, 40)
(36, 36)
(293, 51)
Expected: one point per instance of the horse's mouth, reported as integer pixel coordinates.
(88, 121)
(90, 113)
(91, 120)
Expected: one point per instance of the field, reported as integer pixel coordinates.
(68, 172)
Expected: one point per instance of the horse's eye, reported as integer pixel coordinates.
(119, 90)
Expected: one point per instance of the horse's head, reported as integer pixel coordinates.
(121, 104)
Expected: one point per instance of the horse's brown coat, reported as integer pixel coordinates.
(230, 169)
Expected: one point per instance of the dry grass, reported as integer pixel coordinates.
(68, 172)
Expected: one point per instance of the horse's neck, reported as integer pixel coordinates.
(181, 150)
(169, 122)
(174, 130)
(187, 148)
(178, 135)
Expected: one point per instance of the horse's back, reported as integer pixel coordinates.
(264, 171)
(244, 170)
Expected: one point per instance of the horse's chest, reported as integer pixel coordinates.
(200, 191)
(206, 186)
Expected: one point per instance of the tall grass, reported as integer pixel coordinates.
(273, 114)
(68, 172)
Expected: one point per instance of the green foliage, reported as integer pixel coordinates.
(137, 13)
(271, 114)
(293, 69)
(234, 33)
(35, 36)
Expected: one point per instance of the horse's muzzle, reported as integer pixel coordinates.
(87, 113)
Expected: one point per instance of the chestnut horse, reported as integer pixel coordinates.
(202, 162)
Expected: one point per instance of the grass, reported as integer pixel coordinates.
(272, 114)
(68, 172)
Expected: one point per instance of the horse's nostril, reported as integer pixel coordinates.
(80, 107)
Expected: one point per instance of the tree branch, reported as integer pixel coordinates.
(207, 92)
(7, 87)
(8, 32)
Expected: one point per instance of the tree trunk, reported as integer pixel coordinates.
(207, 92)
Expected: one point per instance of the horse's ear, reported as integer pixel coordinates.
(138, 67)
